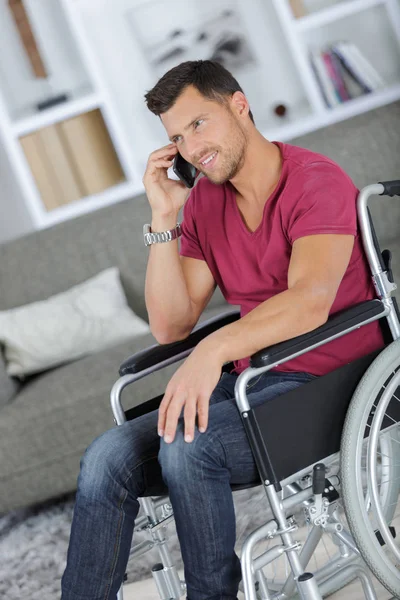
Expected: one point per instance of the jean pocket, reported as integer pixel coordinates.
(253, 383)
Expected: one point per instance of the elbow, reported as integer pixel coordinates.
(313, 315)
(165, 336)
(319, 315)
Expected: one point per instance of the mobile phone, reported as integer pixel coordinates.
(184, 170)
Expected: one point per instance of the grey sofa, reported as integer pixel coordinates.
(53, 416)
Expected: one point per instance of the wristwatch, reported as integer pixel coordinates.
(151, 237)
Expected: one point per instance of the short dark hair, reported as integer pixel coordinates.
(210, 78)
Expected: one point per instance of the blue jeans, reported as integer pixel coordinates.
(128, 461)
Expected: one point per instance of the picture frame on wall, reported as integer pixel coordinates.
(182, 30)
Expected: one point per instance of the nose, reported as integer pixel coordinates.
(192, 149)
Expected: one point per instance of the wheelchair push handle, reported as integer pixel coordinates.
(392, 188)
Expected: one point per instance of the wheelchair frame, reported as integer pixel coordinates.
(158, 357)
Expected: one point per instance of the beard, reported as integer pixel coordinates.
(232, 159)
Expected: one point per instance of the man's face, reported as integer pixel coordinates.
(208, 134)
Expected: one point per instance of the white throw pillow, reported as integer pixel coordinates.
(87, 318)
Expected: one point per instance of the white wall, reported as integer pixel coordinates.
(126, 67)
(14, 218)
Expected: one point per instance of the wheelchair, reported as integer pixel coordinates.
(339, 476)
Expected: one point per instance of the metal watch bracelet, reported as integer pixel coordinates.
(151, 237)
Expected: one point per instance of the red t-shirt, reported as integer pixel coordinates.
(313, 196)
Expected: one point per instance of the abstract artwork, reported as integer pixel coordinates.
(180, 30)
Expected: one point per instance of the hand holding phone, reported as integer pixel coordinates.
(165, 195)
(186, 172)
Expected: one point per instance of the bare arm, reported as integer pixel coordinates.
(177, 288)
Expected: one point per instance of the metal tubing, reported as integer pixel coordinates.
(249, 373)
(141, 548)
(308, 588)
(120, 594)
(344, 536)
(263, 588)
(266, 557)
(161, 583)
(343, 573)
(300, 497)
(374, 262)
(171, 574)
(306, 553)
(246, 558)
(332, 568)
(286, 537)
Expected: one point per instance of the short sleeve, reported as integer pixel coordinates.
(326, 202)
(190, 245)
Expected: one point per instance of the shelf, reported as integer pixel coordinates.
(121, 191)
(328, 117)
(55, 114)
(333, 13)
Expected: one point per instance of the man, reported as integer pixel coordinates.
(275, 227)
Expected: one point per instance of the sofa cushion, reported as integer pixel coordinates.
(90, 316)
(9, 386)
(52, 260)
(57, 414)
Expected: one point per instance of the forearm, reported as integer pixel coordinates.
(282, 317)
(167, 300)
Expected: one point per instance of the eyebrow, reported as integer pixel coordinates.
(189, 126)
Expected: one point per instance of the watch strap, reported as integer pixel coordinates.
(153, 237)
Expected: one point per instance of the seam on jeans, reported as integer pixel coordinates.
(121, 521)
(117, 544)
(250, 385)
(210, 508)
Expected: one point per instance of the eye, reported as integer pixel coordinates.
(199, 122)
(176, 139)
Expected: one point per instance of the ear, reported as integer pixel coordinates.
(240, 105)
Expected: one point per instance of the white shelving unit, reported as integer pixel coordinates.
(110, 71)
(329, 24)
(89, 93)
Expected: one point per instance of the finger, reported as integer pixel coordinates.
(160, 163)
(173, 414)
(157, 168)
(169, 150)
(203, 403)
(190, 419)
(162, 413)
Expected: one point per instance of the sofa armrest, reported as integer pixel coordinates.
(336, 325)
(149, 357)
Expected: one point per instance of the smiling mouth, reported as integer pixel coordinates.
(209, 160)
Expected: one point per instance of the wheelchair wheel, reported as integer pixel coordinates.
(370, 467)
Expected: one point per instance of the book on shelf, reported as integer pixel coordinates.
(45, 181)
(91, 152)
(338, 67)
(358, 66)
(298, 9)
(72, 159)
(51, 168)
(332, 66)
(325, 83)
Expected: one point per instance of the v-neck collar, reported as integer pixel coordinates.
(232, 192)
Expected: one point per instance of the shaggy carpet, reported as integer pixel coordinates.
(34, 543)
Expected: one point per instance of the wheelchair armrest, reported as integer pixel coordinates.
(160, 352)
(335, 325)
